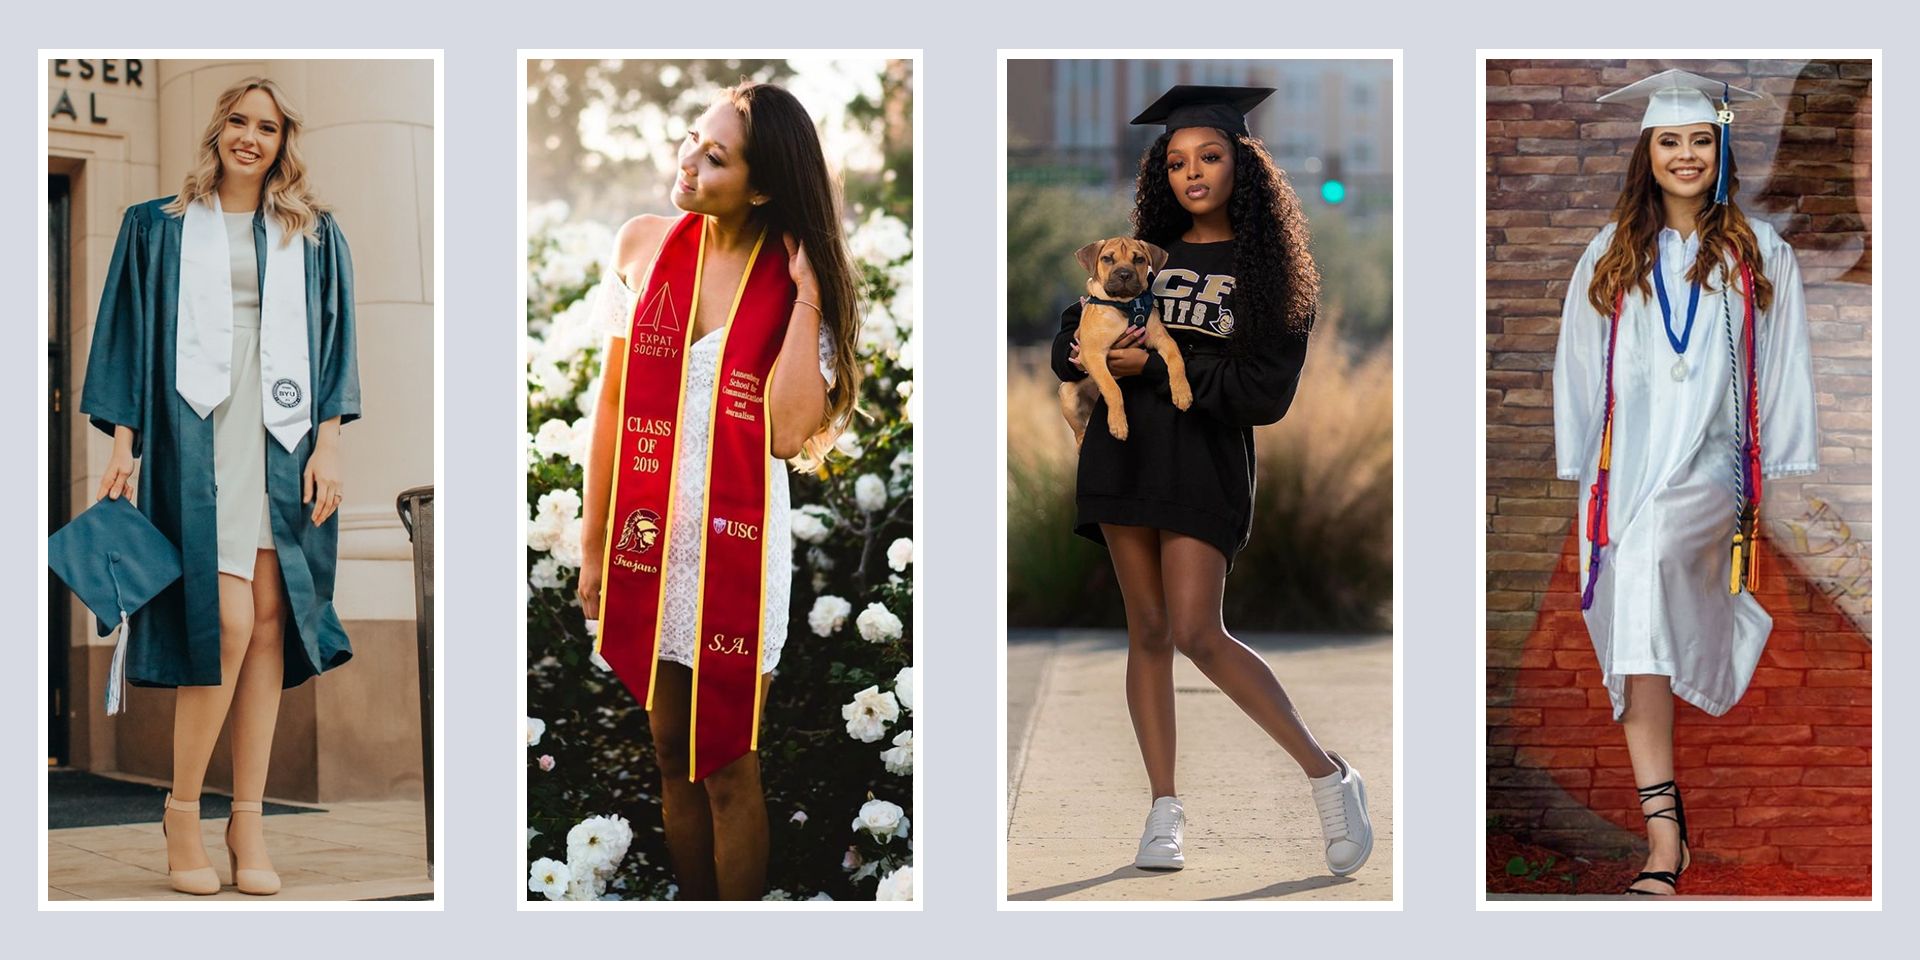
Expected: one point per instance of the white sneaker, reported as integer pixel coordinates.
(1160, 842)
(1341, 798)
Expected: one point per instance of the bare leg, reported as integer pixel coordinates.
(256, 707)
(1195, 576)
(740, 839)
(1136, 565)
(683, 805)
(198, 713)
(1649, 727)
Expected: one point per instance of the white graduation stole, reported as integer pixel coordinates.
(203, 351)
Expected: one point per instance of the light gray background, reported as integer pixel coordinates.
(478, 505)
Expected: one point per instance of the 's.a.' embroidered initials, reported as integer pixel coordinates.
(721, 643)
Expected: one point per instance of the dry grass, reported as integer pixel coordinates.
(1321, 556)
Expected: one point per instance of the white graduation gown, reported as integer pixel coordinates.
(1661, 605)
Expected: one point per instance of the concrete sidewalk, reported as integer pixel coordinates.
(1077, 794)
(352, 851)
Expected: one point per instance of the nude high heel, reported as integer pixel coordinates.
(200, 881)
(259, 883)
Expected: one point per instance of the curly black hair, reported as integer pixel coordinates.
(1273, 268)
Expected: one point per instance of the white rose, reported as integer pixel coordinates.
(535, 728)
(581, 446)
(899, 554)
(543, 531)
(820, 897)
(553, 440)
(586, 881)
(848, 443)
(870, 492)
(566, 549)
(902, 466)
(877, 624)
(563, 503)
(869, 713)
(598, 842)
(897, 885)
(903, 687)
(899, 759)
(812, 523)
(549, 877)
(882, 819)
(828, 615)
(882, 239)
(879, 333)
(546, 574)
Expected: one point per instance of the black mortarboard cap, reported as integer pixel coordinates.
(1200, 105)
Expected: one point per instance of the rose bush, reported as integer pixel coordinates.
(844, 682)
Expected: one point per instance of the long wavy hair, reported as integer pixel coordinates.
(1640, 213)
(1276, 285)
(286, 194)
(785, 163)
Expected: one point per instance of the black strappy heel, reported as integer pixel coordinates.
(1678, 814)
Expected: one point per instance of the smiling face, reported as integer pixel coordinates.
(713, 165)
(250, 136)
(1200, 168)
(1684, 159)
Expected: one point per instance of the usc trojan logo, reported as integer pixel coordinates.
(734, 528)
(640, 531)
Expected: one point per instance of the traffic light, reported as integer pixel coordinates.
(1333, 185)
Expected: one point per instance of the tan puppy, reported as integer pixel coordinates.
(1118, 269)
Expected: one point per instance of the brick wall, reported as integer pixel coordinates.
(1785, 776)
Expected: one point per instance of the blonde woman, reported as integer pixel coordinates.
(223, 361)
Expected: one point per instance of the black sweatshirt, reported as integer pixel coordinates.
(1190, 472)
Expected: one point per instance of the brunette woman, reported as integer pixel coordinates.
(731, 333)
(1683, 376)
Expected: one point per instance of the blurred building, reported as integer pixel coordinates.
(1328, 121)
(121, 132)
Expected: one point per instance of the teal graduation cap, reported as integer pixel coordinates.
(1202, 105)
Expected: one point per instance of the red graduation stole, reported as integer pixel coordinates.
(726, 668)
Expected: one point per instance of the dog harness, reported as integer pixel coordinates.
(1137, 310)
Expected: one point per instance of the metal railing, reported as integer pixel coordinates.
(415, 505)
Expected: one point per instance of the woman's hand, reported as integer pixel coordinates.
(117, 482)
(321, 485)
(1125, 358)
(800, 269)
(589, 588)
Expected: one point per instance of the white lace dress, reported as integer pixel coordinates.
(612, 313)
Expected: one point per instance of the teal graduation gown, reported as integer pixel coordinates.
(130, 382)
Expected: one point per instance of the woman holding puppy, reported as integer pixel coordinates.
(731, 331)
(1173, 503)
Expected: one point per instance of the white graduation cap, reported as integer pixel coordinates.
(1677, 98)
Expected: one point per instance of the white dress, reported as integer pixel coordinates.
(239, 424)
(611, 315)
(1662, 604)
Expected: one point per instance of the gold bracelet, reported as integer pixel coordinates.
(816, 307)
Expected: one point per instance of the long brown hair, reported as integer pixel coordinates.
(785, 162)
(1637, 218)
(286, 194)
